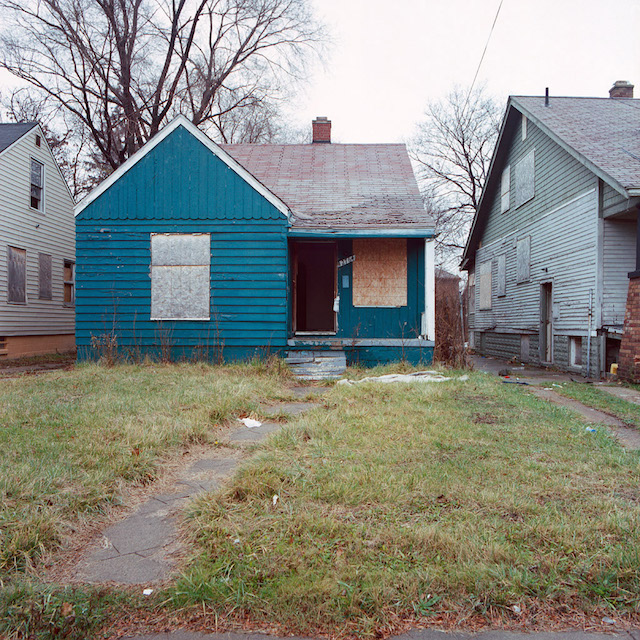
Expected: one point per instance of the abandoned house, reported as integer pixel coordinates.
(553, 256)
(232, 251)
(38, 245)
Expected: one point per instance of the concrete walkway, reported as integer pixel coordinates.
(140, 549)
(415, 634)
(538, 380)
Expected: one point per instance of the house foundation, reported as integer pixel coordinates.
(25, 346)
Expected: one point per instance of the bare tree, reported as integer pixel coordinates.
(122, 68)
(453, 149)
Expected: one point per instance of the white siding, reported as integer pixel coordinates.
(563, 251)
(51, 231)
(619, 259)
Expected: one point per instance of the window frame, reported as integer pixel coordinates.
(71, 283)
(485, 291)
(24, 301)
(505, 193)
(39, 209)
(50, 289)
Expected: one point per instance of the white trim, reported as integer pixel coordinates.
(181, 121)
(429, 316)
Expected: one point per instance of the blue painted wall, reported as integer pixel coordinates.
(381, 322)
(181, 187)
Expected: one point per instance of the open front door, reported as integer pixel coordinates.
(314, 286)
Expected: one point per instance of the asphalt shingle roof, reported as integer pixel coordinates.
(10, 132)
(605, 131)
(339, 185)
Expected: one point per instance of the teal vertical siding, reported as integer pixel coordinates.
(181, 187)
(382, 322)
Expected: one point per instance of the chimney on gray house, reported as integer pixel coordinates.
(621, 89)
(321, 129)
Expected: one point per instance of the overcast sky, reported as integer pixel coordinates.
(390, 58)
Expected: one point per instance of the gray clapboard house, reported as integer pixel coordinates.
(37, 242)
(554, 238)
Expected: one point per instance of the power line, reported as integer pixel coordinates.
(483, 54)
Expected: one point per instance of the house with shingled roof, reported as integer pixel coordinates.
(554, 252)
(37, 246)
(321, 251)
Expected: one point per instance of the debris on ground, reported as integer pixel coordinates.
(250, 422)
(418, 376)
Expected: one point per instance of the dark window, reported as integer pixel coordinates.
(44, 276)
(17, 259)
(69, 283)
(37, 184)
(38, 140)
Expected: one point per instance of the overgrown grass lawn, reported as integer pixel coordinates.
(397, 502)
(71, 440)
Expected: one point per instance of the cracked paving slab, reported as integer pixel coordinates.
(139, 548)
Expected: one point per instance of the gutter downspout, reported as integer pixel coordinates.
(589, 334)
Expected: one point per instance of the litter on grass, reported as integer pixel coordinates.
(250, 422)
(418, 376)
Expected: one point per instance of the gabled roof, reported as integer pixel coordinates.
(601, 133)
(11, 132)
(181, 121)
(339, 186)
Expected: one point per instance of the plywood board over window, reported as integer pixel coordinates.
(180, 288)
(380, 272)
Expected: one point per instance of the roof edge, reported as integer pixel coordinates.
(182, 121)
(33, 124)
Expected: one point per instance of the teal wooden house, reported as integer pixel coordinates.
(232, 251)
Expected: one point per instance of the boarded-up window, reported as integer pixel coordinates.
(17, 263)
(525, 179)
(472, 292)
(44, 276)
(69, 275)
(523, 130)
(380, 272)
(484, 285)
(523, 258)
(37, 184)
(180, 272)
(505, 189)
(501, 285)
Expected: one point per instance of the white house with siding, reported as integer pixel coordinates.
(37, 243)
(553, 243)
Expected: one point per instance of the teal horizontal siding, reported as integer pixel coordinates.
(181, 187)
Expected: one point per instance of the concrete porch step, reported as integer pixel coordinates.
(317, 365)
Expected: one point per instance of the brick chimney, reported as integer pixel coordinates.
(621, 89)
(321, 129)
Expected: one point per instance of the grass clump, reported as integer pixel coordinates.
(70, 441)
(400, 501)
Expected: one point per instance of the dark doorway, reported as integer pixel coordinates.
(546, 323)
(314, 287)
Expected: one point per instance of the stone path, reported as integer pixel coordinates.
(630, 395)
(628, 437)
(140, 548)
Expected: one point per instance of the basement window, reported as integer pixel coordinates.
(575, 351)
(380, 272)
(180, 276)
